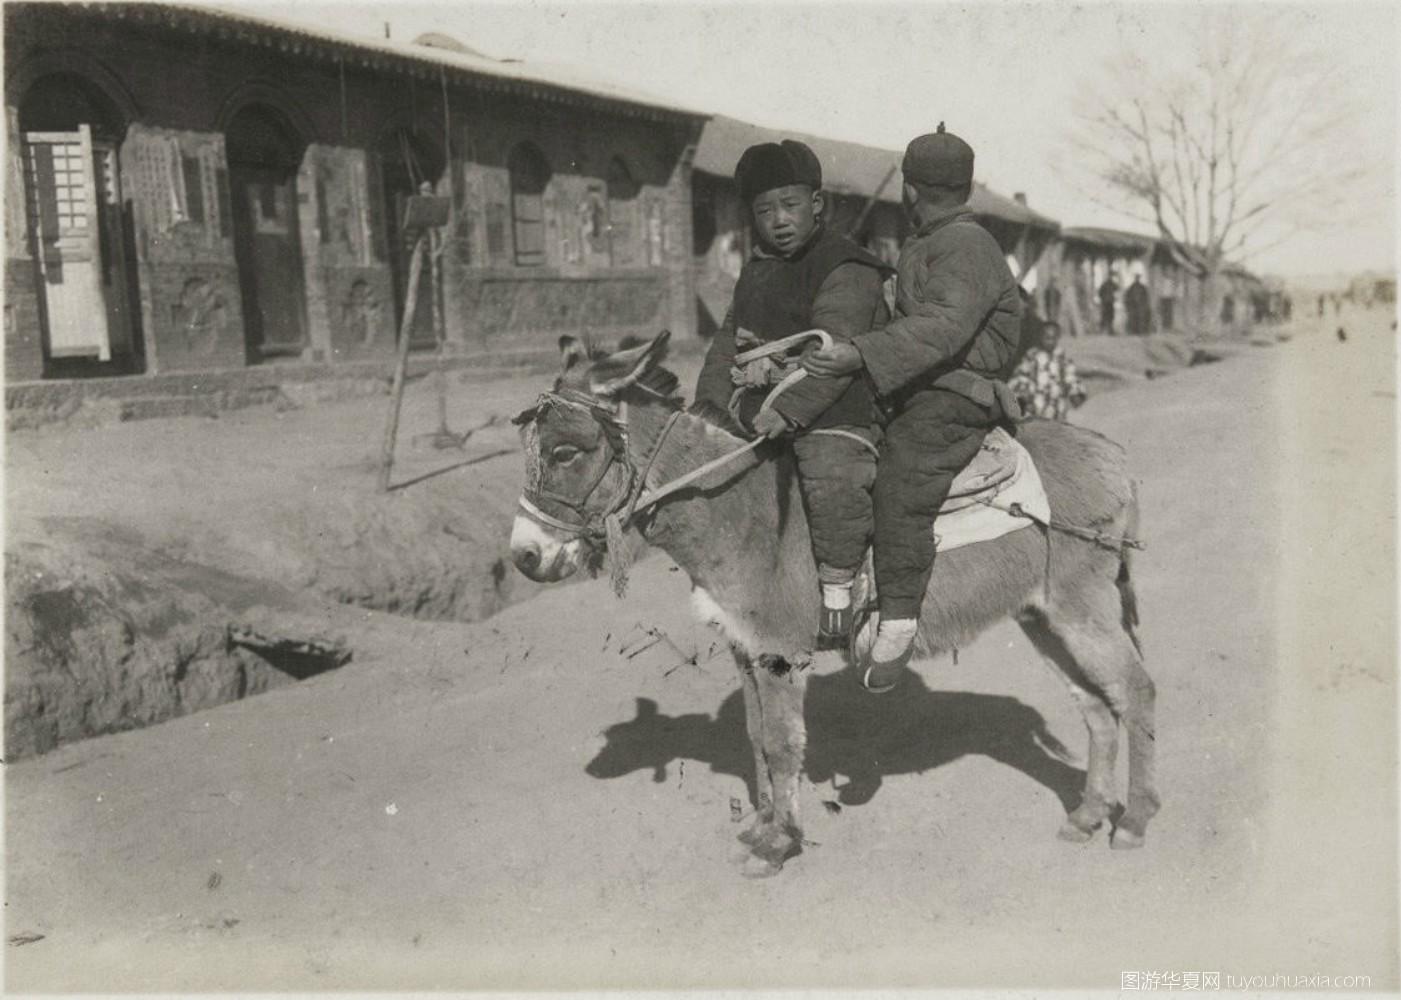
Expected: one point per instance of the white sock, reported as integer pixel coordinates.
(893, 638)
(836, 596)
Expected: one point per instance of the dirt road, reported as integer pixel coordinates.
(545, 800)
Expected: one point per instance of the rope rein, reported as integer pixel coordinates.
(780, 346)
(1111, 542)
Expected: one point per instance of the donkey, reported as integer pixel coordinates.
(613, 425)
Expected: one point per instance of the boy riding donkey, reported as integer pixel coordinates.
(803, 276)
(938, 368)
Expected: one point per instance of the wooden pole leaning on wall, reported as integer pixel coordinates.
(391, 426)
(424, 215)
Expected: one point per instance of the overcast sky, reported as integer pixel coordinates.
(1003, 76)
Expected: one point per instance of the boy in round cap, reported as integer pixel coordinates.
(803, 276)
(938, 368)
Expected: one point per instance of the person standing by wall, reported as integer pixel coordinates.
(1137, 308)
(1108, 292)
(1050, 302)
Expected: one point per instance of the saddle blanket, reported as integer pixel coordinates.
(1001, 475)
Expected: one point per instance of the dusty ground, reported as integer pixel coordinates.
(543, 800)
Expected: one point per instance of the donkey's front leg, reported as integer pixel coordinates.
(780, 687)
(754, 722)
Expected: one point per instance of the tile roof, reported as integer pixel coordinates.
(544, 80)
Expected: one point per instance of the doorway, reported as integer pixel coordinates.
(79, 228)
(264, 155)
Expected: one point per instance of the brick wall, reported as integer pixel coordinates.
(24, 357)
(349, 290)
(191, 311)
(632, 276)
(613, 266)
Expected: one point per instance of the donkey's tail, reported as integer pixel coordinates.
(1128, 599)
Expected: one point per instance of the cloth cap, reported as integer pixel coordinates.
(772, 165)
(939, 158)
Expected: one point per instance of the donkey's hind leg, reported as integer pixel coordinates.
(1098, 798)
(1109, 660)
(1138, 715)
(754, 723)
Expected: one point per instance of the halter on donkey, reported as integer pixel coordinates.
(606, 525)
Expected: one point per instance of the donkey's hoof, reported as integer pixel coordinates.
(755, 867)
(1125, 840)
(767, 857)
(754, 833)
(768, 860)
(1073, 833)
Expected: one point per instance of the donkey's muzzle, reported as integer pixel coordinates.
(539, 555)
(528, 559)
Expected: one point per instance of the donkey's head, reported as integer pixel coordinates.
(577, 466)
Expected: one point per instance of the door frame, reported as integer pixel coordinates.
(256, 347)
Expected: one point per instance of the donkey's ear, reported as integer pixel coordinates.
(611, 375)
(572, 351)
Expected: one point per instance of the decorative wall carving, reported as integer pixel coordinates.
(201, 315)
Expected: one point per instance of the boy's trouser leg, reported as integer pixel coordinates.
(926, 445)
(835, 475)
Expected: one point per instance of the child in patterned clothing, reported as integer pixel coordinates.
(1045, 382)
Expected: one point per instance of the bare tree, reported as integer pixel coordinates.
(1239, 145)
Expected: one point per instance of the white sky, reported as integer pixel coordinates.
(1002, 75)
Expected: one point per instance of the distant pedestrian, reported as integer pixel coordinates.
(1046, 383)
(1136, 305)
(1029, 336)
(1108, 291)
(1320, 307)
(1342, 335)
(1050, 302)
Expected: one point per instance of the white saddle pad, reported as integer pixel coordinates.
(984, 514)
(978, 506)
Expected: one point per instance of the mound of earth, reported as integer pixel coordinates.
(104, 633)
(1104, 362)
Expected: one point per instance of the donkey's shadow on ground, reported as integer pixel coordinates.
(854, 739)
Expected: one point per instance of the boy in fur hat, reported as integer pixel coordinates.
(803, 276)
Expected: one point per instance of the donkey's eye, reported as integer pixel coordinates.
(564, 453)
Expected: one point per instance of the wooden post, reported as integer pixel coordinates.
(443, 438)
(439, 332)
(391, 427)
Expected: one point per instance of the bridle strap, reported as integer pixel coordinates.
(641, 484)
(780, 346)
(615, 434)
(536, 514)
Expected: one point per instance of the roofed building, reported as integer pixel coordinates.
(1076, 266)
(192, 190)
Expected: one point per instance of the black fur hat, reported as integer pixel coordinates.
(772, 165)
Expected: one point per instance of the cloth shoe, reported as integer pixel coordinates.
(881, 650)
